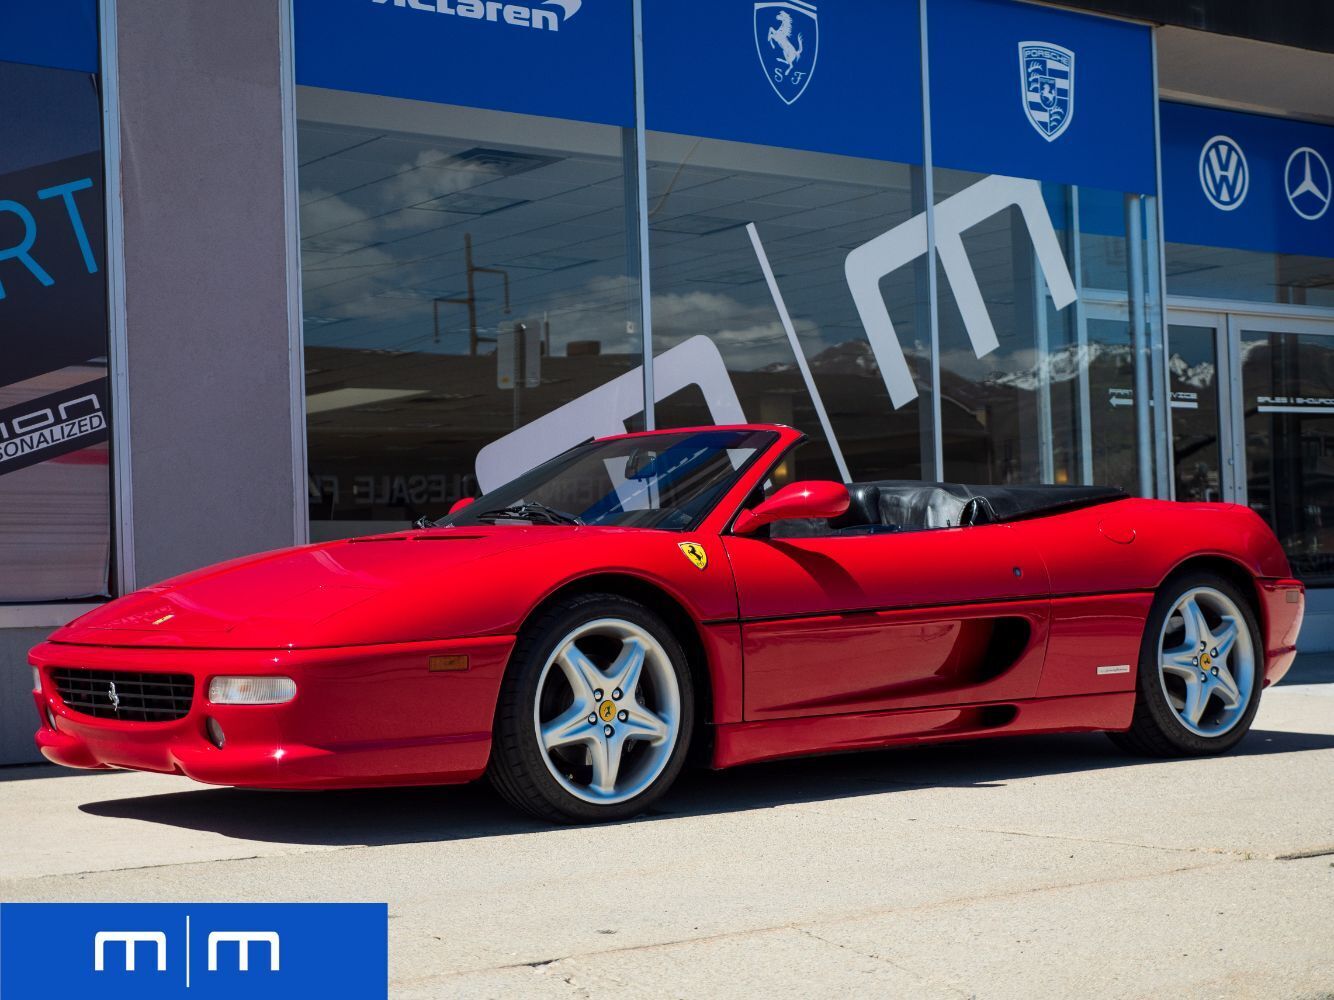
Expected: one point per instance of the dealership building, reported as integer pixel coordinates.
(278, 271)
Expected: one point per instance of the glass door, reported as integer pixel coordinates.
(1203, 454)
(1287, 415)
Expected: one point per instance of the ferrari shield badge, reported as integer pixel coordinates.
(787, 38)
(1047, 87)
(695, 553)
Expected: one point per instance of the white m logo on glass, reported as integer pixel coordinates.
(129, 939)
(888, 252)
(243, 939)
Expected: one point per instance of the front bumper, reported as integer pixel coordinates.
(362, 715)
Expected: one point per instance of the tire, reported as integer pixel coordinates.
(569, 746)
(1178, 679)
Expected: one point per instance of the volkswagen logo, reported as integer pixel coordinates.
(1224, 175)
(113, 697)
(1306, 182)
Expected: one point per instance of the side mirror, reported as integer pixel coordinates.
(814, 498)
(460, 504)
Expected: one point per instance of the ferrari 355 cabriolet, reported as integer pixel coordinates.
(576, 633)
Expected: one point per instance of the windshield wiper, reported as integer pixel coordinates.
(531, 510)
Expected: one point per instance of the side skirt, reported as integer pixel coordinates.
(750, 742)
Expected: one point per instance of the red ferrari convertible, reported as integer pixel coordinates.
(575, 633)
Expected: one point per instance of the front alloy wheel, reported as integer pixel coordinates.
(595, 712)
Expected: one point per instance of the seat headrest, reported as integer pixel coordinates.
(924, 505)
(863, 506)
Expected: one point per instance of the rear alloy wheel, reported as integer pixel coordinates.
(1199, 672)
(595, 712)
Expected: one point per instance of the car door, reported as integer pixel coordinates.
(869, 622)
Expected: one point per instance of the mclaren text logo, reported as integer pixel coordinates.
(547, 16)
(1224, 175)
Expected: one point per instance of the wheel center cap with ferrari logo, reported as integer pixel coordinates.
(607, 711)
(1206, 661)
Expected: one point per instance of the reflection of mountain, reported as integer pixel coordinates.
(1064, 364)
(853, 357)
(1200, 376)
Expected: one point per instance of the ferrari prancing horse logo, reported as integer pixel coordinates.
(695, 553)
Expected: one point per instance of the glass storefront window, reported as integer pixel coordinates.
(809, 210)
(55, 496)
(464, 272)
(1249, 275)
(1057, 398)
(1288, 398)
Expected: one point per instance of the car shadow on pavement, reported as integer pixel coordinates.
(380, 817)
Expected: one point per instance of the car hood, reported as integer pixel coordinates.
(407, 586)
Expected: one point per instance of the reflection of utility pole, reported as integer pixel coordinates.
(470, 300)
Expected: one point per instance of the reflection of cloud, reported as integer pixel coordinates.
(381, 204)
(749, 336)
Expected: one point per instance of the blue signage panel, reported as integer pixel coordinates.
(148, 951)
(1245, 181)
(825, 75)
(57, 33)
(559, 58)
(1031, 91)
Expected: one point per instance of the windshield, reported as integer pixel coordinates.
(668, 481)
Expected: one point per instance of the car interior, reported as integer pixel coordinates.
(891, 506)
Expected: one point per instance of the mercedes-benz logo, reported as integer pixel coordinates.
(1224, 175)
(113, 697)
(1307, 183)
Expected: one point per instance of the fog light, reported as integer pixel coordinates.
(251, 690)
(215, 735)
(36, 679)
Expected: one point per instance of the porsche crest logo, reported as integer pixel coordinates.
(695, 553)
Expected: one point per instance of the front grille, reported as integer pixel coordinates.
(138, 697)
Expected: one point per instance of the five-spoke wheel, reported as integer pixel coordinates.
(595, 713)
(1207, 661)
(1199, 675)
(608, 711)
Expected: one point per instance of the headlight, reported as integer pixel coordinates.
(251, 690)
(36, 679)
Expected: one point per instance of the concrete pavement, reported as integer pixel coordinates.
(1036, 867)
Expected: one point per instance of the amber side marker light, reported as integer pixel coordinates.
(439, 664)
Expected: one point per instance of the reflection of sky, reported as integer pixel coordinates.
(49, 114)
(384, 219)
(384, 216)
